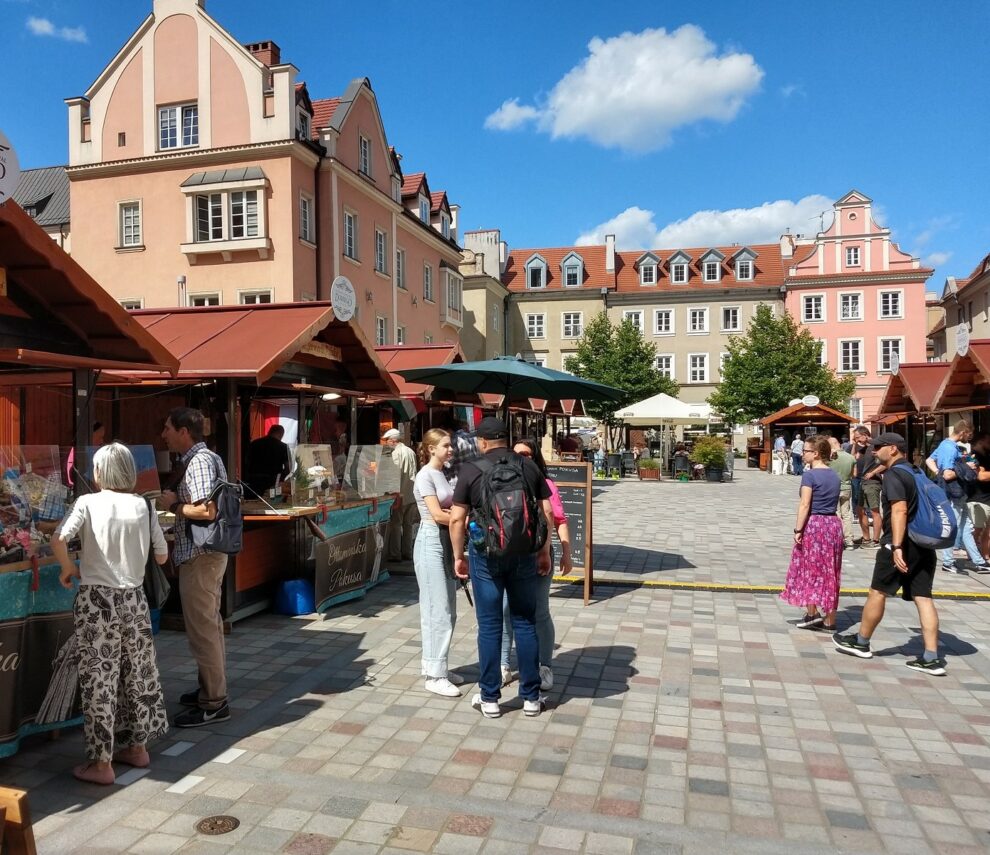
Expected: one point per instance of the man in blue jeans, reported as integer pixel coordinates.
(493, 577)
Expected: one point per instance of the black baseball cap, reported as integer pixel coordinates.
(894, 439)
(492, 428)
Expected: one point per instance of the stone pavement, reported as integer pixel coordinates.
(682, 721)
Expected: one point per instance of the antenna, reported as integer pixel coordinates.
(821, 220)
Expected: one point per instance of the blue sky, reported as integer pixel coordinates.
(669, 123)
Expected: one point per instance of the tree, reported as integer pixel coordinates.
(771, 365)
(619, 356)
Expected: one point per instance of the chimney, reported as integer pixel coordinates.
(267, 53)
(455, 211)
(503, 255)
(786, 245)
(610, 253)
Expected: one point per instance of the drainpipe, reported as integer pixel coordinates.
(317, 238)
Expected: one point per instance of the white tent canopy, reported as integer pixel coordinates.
(664, 409)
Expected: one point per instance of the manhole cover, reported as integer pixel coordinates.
(217, 824)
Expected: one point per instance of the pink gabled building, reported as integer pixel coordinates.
(861, 296)
(203, 173)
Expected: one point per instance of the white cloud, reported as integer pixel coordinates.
(44, 27)
(636, 228)
(634, 90)
(937, 259)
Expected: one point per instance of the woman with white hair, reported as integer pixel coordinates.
(118, 676)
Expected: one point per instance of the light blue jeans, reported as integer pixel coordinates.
(964, 537)
(437, 600)
(545, 634)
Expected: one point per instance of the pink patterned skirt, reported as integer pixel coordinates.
(815, 572)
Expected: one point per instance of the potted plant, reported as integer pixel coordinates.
(709, 451)
(648, 469)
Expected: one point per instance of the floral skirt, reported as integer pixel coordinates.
(815, 572)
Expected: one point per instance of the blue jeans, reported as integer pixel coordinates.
(964, 537)
(492, 579)
(797, 464)
(545, 635)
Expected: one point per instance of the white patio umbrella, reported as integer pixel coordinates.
(664, 409)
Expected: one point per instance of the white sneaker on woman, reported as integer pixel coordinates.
(442, 686)
(546, 678)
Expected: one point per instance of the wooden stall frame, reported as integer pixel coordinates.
(583, 481)
(15, 822)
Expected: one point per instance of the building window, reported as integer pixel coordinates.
(813, 308)
(306, 218)
(855, 407)
(665, 364)
(712, 271)
(178, 126)
(697, 367)
(697, 321)
(200, 300)
(850, 355)
(678, 273)
(890, 347)
(663, 322)
(428, 282)
(445, 225)
(536, 276)
(648, 274)
(744, 271)
(572, 276)
(255, 298)
(400, 268)
(723, 357)
(350, 235)
(396, 190)
(381, 251)
(427, 338)
(365, 151)
(495, 318)
(243, 214)
(424, 209)
(133, 303)
(852, 256)
(209, 217)
(890, 304)
(533, 359)
(129, 224)
(121, 139)
(400, 335)
(455, 286)
(851, 307)
(572, 324)
(302, 125)
(536, 326)
(634, 315)
(822, 352)
(731, 321)
(381, 331)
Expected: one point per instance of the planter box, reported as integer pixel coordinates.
(714, 475)
(648, 474)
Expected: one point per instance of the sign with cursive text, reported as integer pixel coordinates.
(349, 563)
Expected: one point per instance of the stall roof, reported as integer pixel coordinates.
(958, 387)
(397, 356)
(255, 342)
(803, 414)
(54, 314)
(914, 386)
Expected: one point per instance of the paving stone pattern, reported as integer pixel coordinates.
(682, 721)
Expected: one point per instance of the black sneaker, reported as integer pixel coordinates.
(199, 717)
(936, 667)
(190, 699)
(951, 568)
(981, 568)
(810, 622)
(849, 644)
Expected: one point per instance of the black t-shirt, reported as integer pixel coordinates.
(468, 489)
(981, 489)
(268, 458)
(866, 461)
(898, 487)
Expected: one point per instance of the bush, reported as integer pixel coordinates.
(648, 463)
(709, 451)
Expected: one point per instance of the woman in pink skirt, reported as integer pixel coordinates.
(816, 560)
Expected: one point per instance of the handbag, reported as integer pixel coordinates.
(448, 551)
(156, 584)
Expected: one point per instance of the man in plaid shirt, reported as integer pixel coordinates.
(464, 447)
(200, 571)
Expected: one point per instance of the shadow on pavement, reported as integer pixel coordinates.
(593, 672)
(948, 644)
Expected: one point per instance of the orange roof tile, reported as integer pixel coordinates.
(323, 110)
(412, 183)
(438, 201)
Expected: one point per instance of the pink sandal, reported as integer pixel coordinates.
(91, 775)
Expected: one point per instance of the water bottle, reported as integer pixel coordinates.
(477, 535)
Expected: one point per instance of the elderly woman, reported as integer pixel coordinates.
(118, 676)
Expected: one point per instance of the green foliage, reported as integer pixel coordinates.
(303, 479)
(773, 363)
(647, 463)
(620, 356)
(709, 451)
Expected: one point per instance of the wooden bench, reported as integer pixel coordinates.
(15, 820)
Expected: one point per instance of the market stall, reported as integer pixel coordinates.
(907, 405)
(807, 417)
(965, 390)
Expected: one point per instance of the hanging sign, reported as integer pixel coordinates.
(10, 169)
(342, 298)
(962, 339)
(810, 401)
(895, 362)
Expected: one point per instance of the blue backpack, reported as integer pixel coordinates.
(933, 525)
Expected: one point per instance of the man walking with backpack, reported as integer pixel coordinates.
(509, 502)
(200, 571)
(901, 564)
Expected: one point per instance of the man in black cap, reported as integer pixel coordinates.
(492, 576)
(901, 564)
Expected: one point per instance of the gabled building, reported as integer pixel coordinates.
(965, 306)
(44, 196)
(203, 172)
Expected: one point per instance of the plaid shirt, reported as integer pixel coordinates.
(203, 470)
(465, 449)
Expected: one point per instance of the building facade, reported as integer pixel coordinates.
(44, 196)
(861, 296)
(965, 305)
(203, 173)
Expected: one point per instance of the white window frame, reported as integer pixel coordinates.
(179, 112)
(536, 325)
(444, 224)
(381, 251)
(536, 264)
(400, 269)
(303, 125)
(679, 268)
(853, 256)
(364, 155)
(749, 267)
(861, 368)
(244, 298)
(723, 357)
(671, 321)
(350, 236)
(823, 352)
(651, 280)
(670, 371)
(424, 210)
(122, 239)
(427, 338)
(306, 218)
(900, 304)
(381, 331)
(634, 315)
(885, 368)
(738, 326)
(428, 294)
(855, 407)
(576, 270)
(215, 219)
(707, 325)
(717, 271)
(691, 369)
(204, 298)
(861, 300)
(247, 199)
(539, 359)
(455, 298)
(132, 303)
(223, 201)
(820, 296)
(400, 335)
(572, 328)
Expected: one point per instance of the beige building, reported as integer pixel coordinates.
(966, 304)
(485, 297)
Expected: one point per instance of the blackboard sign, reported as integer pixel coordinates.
(573, 481)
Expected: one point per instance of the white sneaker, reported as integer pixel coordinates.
(455, 679)
(489, 709)
(506, 675)
(546, 678)
(443, 686)
(534, 708)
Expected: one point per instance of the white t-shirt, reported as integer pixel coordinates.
(432, 482)
(115, 535)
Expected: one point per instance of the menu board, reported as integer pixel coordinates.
(573, 482)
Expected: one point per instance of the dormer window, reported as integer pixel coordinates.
(711, 271)
(364, 145)
(744, 268)
(648, 265)
(396, 189)
(572, 268)
(424, 209)
(536, 272)
(711, 266)
(445, 225)
(303, 125)
(678, 265)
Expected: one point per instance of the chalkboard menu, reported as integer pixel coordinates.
(573, 481)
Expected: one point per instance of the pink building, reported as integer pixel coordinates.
(203, 173)
(861, 296)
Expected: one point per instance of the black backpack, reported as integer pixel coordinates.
(225, 532)
(509, 513)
